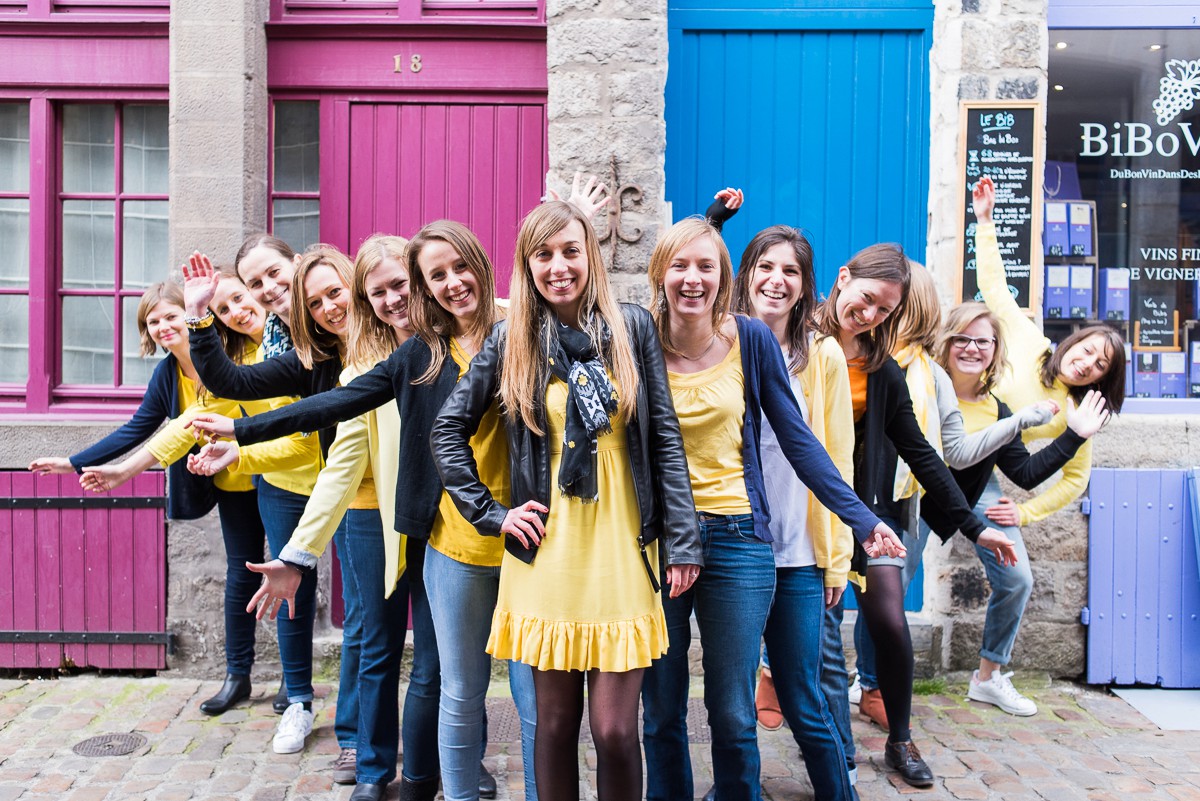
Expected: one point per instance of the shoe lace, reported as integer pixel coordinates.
(1005, 686)
(347, 758)
(293, 720)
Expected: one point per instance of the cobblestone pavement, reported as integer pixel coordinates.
(1083, 744)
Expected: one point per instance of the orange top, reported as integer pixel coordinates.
(858, 387)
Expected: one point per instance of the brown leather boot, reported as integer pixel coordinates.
(871, 708)
(766, 703)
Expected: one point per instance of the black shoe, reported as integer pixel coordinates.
(487, 783)
(281, 703)
(906, 760)
(418, 791)
(369, 792)
(236, 688)
(711, 795)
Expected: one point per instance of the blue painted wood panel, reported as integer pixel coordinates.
(820, 114)
(1143, 611)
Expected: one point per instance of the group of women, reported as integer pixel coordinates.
(563, 482)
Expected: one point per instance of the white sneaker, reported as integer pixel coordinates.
(855, 691)
(293, 729)
(998, 691)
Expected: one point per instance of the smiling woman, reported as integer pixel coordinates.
(320, 324)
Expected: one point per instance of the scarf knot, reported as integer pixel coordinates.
(591, 400)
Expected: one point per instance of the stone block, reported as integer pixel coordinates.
(638, 93)
(973, 87)
(1018, 88)
(640, 9)
(561, 8)
(979, 45)
(606, 41)
(577, 93)
(1022, 44)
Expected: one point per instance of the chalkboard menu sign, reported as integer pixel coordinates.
(1003, 141)
(1155, 314)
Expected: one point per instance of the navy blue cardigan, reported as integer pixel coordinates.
(769, 392)
(189, 496)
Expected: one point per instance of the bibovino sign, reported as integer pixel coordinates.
(1179, 89)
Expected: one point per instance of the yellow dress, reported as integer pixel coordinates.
(586, 601)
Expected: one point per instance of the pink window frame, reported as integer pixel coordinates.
(272, 194)
(71, 11)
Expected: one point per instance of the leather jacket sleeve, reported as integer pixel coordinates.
(450, 440)
(680, 530)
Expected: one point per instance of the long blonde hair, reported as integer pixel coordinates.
(371, 339)
(313, 343)
(960, 319)
(920, 320)
(523, 376)
(428, 319)
(674, 240)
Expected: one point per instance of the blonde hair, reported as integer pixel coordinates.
(960, 318)
(882, 262)
(428, 319)
(523, 377)
(371, 339)
(313, 343)
(676, 238)
(162, 292)
(920, 320)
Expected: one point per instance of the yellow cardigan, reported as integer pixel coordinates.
(825, 382)
(1022, 385)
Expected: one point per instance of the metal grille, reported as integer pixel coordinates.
(109, 745)
(504, 726)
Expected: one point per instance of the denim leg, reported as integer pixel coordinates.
(738, 565)
(281, 512)
(242, 531)
(420, 722)
(864, 652)
(520, 682)
(835, 682)
(383, 624)
(462, 598)
(345, 722)
(1011, 586)
(664, 706)
(916, 548)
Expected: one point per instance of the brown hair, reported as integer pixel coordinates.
(960, 318)
(1111, 385)
(428, 319)
(163, 291)
(235, 343)
(800, 319)
(881, 262)
(676, 238)
(262, 239)
(920, 320)
(313, 343)
(371, 339)
(522, 380)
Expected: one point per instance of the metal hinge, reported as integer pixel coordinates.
(1085, 506)
(1085, 616)
(98, 502)
(166, 638)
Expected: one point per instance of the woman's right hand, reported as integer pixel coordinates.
(51, 465)
(732, 197)
(1004, 548)
(680, 578)
(1089, 416)
(199, 284)
(209, 426)
(279, 584)
(524, 523)
(214, 457)
(983, 199)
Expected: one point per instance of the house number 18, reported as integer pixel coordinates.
(414, 63)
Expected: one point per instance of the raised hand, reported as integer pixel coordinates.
(209, 426)
(589, 199)
(200, 281)
(680, 578)
(103, 478)
(279, 584)
(1089, 417)
(51, 465)
(733, 197)
(524, 523)
(213, 458)
(884, 542)
(983, 199)
(1004, 548)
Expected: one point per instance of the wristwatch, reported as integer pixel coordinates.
(196, 323)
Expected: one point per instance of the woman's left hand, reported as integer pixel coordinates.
(1004, 513)
(213, 458)
(208, 425)
(732, 197)
(681, 578)
(884, 542)
(833, 595)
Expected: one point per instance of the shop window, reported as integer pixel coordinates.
(1122, 185)
(295, 173)
(14, 233)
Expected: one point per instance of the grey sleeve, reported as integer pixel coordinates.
(959, 448)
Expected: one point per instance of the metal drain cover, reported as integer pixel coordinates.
(109, 745)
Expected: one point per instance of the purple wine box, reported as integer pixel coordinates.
(1057, 239)
(1081, 292)
(1081, 229)
(1172, 372)
(1145, 380)
(1114, 294)
(1057, 305)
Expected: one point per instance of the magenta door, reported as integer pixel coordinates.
(407, 164)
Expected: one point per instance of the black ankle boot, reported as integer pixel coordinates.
(424, 790)
(369, 792)
(280, 704)
(236, 688)
(487, 782)
(905, 759)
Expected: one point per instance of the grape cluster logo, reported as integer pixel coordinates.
(1178, 89)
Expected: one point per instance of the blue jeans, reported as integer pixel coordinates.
(281, 511)
(1011, 586)
(835, 682)
(382, 623)
(462, 598)
(731, 599)
(420, 721)
(345, 722)
(793, 635)
(242, 531)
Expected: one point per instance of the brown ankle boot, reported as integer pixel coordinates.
(766, 703)
(871, 708)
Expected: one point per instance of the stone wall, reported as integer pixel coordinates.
(607, 61)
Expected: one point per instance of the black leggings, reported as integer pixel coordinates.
(612, 708)
(882, 607)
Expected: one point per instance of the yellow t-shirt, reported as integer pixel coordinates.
(711, 406)
(189, 396)
(366, 498)
(978, 415)
(452, 535)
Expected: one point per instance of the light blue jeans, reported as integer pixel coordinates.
(1011, 586)
(462, 598)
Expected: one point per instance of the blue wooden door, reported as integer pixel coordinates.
(819, 110)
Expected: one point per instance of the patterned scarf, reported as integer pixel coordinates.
(276, 340)
(923, 389)
(591, 398)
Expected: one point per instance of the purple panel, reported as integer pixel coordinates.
(1100, 564)
(48, 575)
(24, 570)
(388, 189)
(508, 168)
(412, 168)
(97, 583)
(1125, 573)
(459, 173)
(484, 205)
(7, 574)
(1152, 525)
(1189, 612)
(1170, 551)
(74, 568)
(122, 575)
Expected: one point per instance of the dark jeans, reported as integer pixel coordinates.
(345, 722)
(281, 511)
(835, 682)
(242, 531)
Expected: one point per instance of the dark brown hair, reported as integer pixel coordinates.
(882, 262)
(800, 319)
(1111, 385)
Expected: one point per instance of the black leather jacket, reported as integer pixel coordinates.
(655, 446)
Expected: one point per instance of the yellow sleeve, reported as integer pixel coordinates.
(174, 441)
(839, 441)
(1074, 481)
(292, 452)
(1023, 339)
(336, 486)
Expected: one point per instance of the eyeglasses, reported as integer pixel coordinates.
(982, 344)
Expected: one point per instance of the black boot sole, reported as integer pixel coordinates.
(225, 698)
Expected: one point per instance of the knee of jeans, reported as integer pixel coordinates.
(1020, 582)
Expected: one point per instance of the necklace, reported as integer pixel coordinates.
(711, 342)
